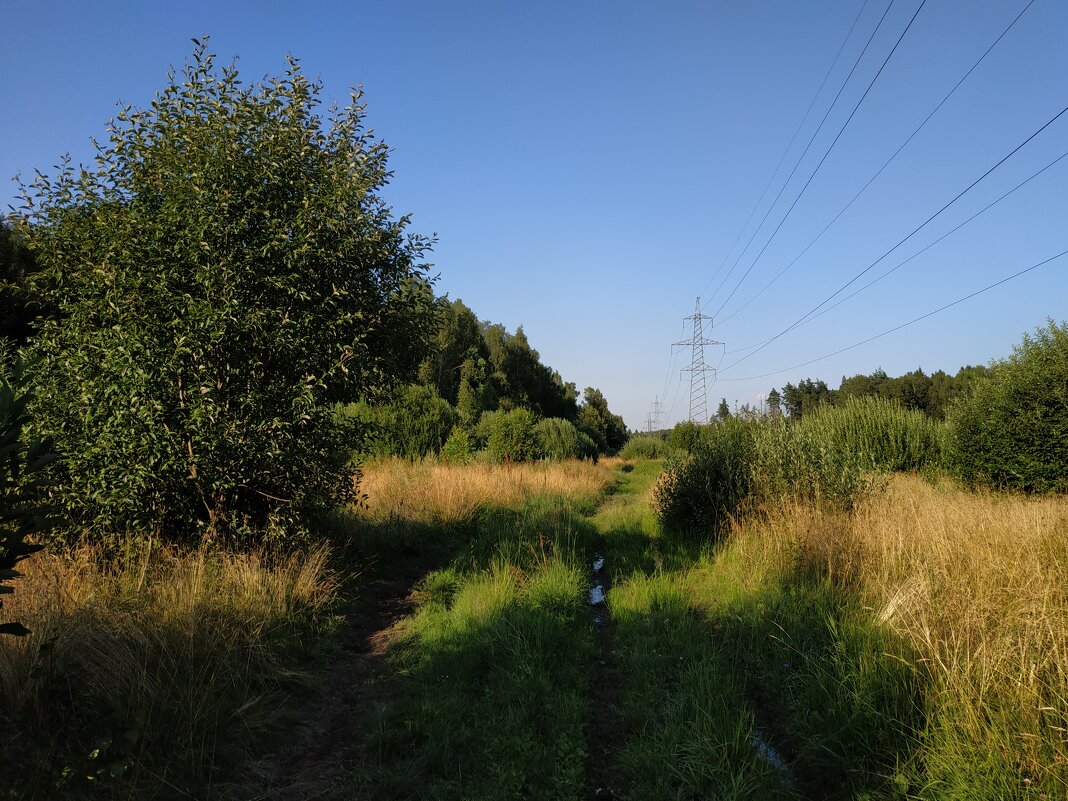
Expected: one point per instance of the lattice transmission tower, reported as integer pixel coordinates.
(653, 421)
(698, 385)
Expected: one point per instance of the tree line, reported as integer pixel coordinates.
(933, 394)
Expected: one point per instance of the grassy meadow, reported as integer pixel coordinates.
(909, 646)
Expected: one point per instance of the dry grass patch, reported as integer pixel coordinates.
(977, 585)
(447, 493)
(158, 662)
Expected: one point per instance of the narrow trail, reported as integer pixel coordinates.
(321, 752)
(604, 683)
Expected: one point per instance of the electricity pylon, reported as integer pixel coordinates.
(652, 422)
(698, 386)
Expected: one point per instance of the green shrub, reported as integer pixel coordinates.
(19, 461)
(797, 459)
(512, 436)
(415, 424)
(457, 448)
(685, 436)
(738, 463)
(645, 447)
(1010, 431)
(558, 439)
(700, 491)
(224, 273)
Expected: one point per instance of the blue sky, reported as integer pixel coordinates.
(587, 166)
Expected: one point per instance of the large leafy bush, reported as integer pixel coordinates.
(512, 437)
(559, 439)
(1011, 430)
(415, 423)
(224, 273)
(20, 468)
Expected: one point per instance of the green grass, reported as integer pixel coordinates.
(684, 727)
(487, 691)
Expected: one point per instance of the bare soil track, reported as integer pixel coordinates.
(319, 756)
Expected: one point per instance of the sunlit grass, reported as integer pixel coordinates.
(432, 492)
(935, 613)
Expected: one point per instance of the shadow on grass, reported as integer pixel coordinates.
(486, 694)
(835, 689)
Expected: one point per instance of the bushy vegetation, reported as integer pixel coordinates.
(560, 439)
(739, 463)
(511, 437)
(646, 447)
(1011, 430)
(458, 448)
(703, 489)
(20, 486)
(416, 423)
(224, 273)
(882, 433)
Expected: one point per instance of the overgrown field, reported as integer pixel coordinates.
(908, 646)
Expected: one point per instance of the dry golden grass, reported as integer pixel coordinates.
(449, 493)
(192, 642)
(976, 583)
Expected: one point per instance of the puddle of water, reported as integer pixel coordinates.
(770, 755)
(596, 595)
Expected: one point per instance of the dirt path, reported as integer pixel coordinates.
(604, 685)
(321, 752)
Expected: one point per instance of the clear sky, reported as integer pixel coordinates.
(587, 165)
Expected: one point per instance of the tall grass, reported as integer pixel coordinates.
(882, 434)
(154, 670)
(927, 628)
(435, 493)
(826, 457)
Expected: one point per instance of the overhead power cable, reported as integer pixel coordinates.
(825, 155)
(793, 139)
(920, 252)
(803, 154)
(886, 164)
(900, 242)
(914, 320)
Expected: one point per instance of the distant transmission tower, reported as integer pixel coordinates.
(697, 368)
(652, 422)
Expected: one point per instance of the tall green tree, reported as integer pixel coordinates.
(604, 427)
(774, 403)
(224, 272)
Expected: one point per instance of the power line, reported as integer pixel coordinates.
(803, 153)
(920, 252)
(825, 155)
(887, 163)
(910, 322)
(899, 243)
(953, 230)
(793, 139)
